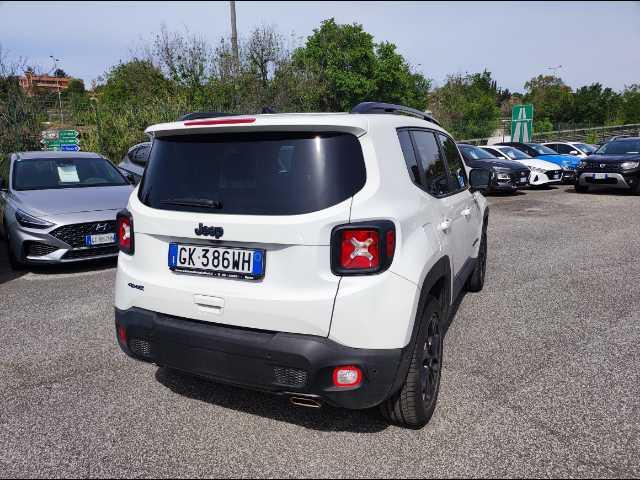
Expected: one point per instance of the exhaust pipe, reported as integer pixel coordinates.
(304, 402)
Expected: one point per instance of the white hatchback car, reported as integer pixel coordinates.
(542, 172)
(314, 256)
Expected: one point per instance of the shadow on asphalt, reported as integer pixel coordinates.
(275, 407)
(619, 192)
(7, 273)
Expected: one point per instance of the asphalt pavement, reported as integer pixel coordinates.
(541, 373)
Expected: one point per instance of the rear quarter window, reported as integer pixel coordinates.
(253, 173)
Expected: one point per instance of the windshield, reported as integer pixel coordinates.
(584, 147)
(284, 173)
(542, 150)
(476, 153)
(620, 147)
(54, 173)
(514, 153)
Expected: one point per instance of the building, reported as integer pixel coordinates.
(33, 84)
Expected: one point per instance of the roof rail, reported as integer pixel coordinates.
(201, 115)
(380, 107)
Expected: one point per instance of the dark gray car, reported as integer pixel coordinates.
(58, 207)
(135, 161)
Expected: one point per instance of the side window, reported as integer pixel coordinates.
(434, 173)
(141, 155)
(131, 155)
(410, 156)
(493, 152)
(561, 148)
(457, 173)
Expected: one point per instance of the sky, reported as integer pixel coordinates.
(583, 42)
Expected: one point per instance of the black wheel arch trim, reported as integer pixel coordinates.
(440, 271)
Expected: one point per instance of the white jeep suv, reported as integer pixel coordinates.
(314, 256)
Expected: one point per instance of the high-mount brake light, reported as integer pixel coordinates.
(219, 121)
(362, 248)
(124, 226)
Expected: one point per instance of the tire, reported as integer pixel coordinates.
(413, 406)
(636, 190)
(581, 188)
(475, 282)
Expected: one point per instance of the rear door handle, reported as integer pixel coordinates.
(445, 225)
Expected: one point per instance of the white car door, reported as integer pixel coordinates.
(465, 213)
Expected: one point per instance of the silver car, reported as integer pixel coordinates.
(59, 207)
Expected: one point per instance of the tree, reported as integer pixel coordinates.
(630, 105)
(551, 98)
(20, 115)
(134, 82)
(348, 68)
(467, 105)
(594, 105)
(60, 73)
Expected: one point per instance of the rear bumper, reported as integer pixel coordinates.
(281, 363)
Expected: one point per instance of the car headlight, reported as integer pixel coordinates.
(629, 165)
(503, 176)
(537, 169)
(30, 221)
(582, 165)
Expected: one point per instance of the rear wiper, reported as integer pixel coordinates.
(193, 202)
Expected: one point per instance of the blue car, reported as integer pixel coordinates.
(569, 163)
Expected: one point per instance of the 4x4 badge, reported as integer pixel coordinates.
(205, 231)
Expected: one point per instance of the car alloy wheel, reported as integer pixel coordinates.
(431, 360)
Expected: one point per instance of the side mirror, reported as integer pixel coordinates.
(131, 178)
(479, 179)
(573, 152)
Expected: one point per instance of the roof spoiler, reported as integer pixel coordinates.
(203, 115)
(380, 107)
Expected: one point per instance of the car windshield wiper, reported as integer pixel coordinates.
(193, 202)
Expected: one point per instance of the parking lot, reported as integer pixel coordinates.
(541, 373)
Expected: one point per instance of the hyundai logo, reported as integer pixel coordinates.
(602, 165)
(205, 231)
(101, 227)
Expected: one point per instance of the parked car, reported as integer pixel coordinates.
(264, 251)
(60, 207)
(615, 164)
(542, 172)
(135, 161)
(507, 175)
(569, 163)
(578, 149)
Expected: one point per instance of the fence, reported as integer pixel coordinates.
(574, 134)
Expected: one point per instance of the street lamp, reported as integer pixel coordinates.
(55, 67)
(555, 69)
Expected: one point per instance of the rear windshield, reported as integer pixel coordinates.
(253, 174)
(53, 173)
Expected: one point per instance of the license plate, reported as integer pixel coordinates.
(599, 176)
(101, 239)
(556, 176)
(523, 180)
(217, 261)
